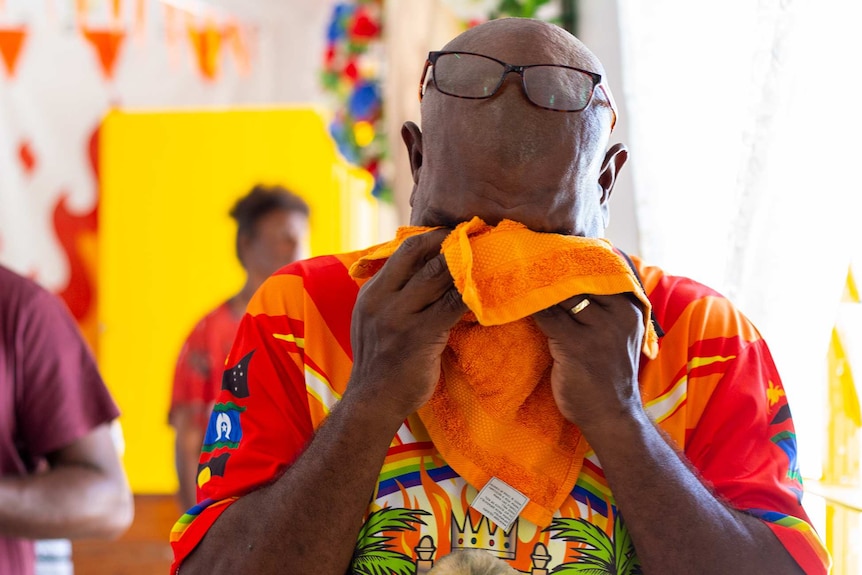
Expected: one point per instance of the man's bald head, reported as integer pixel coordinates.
(504, 155)
(527, 31)
(522, 36)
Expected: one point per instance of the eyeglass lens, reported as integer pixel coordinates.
(474, 76)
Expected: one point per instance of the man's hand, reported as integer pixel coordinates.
(307, 520)
(596, 355)
(401, 324)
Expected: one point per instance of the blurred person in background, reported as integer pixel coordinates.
(60, 473)
(272, 226)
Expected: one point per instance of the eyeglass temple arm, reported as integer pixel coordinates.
(423, 78)
(610, 98)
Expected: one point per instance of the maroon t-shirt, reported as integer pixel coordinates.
(51, 393)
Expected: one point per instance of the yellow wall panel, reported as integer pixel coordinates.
(166, 242)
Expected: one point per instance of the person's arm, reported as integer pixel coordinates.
(187, 422)
(83, 493)
(676, 523)
(190, 404)
(63, 423)
(307, 520)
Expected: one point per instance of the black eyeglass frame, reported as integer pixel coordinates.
(508, 68)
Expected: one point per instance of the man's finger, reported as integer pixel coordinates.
(571, 313)
(410, 257)
(582, 304)
(556, 321)
(449, 307)
(431, 281)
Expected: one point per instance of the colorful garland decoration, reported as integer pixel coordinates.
(351, 72)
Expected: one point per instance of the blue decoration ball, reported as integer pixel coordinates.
(364, 102)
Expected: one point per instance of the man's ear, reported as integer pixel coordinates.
(412, 136)
(615, 157)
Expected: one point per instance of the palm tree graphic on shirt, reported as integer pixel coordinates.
(373, 555)
(601, 554)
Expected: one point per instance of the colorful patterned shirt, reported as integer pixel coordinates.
(712, 388)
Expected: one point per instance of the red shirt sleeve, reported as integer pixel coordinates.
(734, 421)
(261, 420)
(745, 447)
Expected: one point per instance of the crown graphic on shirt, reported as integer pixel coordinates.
(484, 535)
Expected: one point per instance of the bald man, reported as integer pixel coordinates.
(691, 461)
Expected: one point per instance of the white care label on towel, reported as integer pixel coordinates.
(500, 502)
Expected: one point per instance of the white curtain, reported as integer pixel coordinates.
(744, 120)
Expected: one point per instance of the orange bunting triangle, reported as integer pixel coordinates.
(206, 42)
(11, 41)
(106, 42)
(234, 37)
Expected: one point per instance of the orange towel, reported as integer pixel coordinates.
(493, 413)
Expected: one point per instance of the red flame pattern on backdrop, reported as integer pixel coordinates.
(207, 33)
(77, 234)
(27, 157)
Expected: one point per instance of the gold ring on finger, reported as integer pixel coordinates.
(580, 306)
